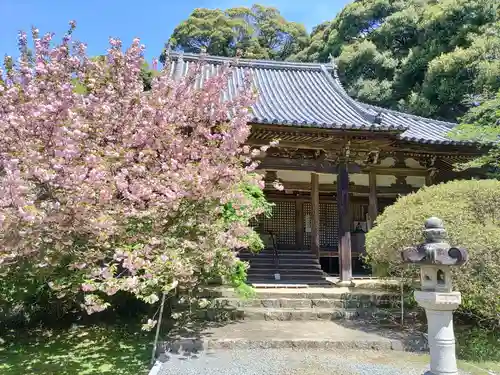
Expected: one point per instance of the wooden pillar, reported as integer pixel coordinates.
(344, 221)
(315, 245)
(299, 225)
(430, 177)
(372, 198)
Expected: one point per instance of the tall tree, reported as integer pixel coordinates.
(259, 32)
(422, 56)
(482, 124)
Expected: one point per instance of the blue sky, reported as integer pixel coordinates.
(152, 21)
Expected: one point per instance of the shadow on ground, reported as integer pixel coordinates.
(411, 334)
(85, 350)
(187, 339)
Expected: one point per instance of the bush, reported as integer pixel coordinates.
(471, 214)
(477, 344)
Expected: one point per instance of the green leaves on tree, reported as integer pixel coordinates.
(258, 32)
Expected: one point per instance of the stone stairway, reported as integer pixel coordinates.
(293, 266)
(332, 318)
(315, 303)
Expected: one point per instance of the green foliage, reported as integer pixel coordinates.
(427, 55)
(478, 344)
(259, 32)
(256, 199)
(471, 214)
(147, 76)
(256, 202)
(239, 278)
(422, 56)
(482, 124)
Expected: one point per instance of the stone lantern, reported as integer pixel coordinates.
(436, 257)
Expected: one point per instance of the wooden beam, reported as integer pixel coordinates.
(315, 244)
(392, 171)
(464, 151)
(320, 145)
(308, 165)
(372, 198)
(345, 261)
(353, 189)
(329, 167)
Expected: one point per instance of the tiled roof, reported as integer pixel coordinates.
(418, 129)
(310, 95)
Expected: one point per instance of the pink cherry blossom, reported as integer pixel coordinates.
(124, 188)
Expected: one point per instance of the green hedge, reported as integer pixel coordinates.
(471, 214)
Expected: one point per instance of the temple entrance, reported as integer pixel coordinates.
(290, 225)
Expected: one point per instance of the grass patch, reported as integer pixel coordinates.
(85, 350)
(480, 368)
(472, 367)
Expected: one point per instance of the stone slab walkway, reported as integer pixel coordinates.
(295, 362)
(290, 334)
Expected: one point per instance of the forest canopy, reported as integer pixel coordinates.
(427, 57)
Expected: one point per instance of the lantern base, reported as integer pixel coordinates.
(439, 309)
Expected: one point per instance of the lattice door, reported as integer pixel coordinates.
(281, 223)
(328, 225)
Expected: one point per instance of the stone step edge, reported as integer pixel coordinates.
(270, 268)
(303, 299)
(293, 273)
(295, 265)
(281, 256)
(264, 269)
(318, 310)
(333, 292)
(318, 274)
(307, 313)
(195, 345)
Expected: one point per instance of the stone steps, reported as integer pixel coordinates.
(271, 283)
(298, 266)
(284, 266)
(306, 304)
(357, 293)
(292, 314)
(290, 276)
(271, 252)
(271, 256)
(286, 271)
(302, 303)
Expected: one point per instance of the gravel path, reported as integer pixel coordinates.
(295, 362)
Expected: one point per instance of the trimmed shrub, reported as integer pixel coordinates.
(471, 214)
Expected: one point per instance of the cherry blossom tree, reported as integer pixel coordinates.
(106, 188)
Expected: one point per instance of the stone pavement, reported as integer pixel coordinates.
(292, 334)
(294, 362)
